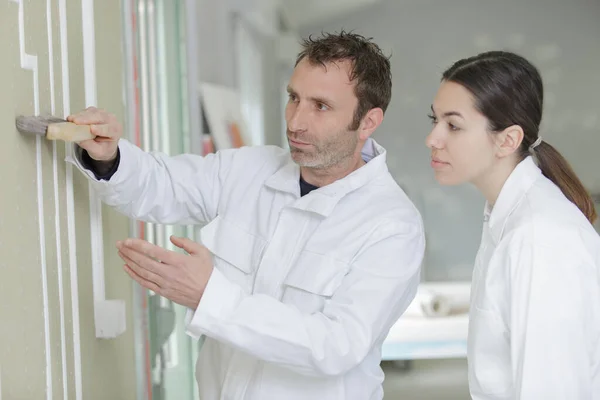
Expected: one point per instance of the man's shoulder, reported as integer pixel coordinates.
(386, 193)
(385, 204)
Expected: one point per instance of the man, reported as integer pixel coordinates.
(308, 256)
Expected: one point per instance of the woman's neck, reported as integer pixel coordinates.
(490, 184)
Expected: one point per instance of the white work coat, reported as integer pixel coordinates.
(305, 289)
(534, 329)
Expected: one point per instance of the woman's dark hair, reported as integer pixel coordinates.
(508, 91)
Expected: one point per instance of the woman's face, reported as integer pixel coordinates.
(462, 149)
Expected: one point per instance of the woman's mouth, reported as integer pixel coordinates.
(437, 163)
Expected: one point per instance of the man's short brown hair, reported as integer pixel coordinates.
(370, 67)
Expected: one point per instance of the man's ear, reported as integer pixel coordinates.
(370, 122)
(509, 140)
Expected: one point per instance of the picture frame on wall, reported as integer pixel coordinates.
(222, 109)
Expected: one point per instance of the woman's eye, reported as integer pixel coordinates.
(432, 118)
(453, 127)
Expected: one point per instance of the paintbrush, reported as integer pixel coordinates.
(53, 128)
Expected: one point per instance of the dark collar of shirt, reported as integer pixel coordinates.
(305, 187)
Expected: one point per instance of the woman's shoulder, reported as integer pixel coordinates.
(547, 218)
(544, 234)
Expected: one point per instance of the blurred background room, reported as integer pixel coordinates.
(198, 76)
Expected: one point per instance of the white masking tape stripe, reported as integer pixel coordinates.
(59, 265)
(64, 56)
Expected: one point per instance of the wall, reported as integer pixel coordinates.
(218, 61)
(425, 37)
(49, 348)
(216, 50)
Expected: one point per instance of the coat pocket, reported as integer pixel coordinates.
(236, 252)
(313, 279)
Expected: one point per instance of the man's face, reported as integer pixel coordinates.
(319, 114)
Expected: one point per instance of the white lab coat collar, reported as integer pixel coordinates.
(324, 199)
(513, 191)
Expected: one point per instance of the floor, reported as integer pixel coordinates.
(427, 380)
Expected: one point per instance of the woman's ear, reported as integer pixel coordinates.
(509, 140)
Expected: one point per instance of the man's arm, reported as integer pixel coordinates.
(154, 187)
(380, 285)
(146, 186)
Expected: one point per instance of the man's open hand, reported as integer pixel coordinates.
(180, 278)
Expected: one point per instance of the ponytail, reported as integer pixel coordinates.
(556, 168)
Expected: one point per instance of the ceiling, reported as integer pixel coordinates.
(295, 14)
(301, 13)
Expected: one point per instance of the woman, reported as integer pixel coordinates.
(534, 328)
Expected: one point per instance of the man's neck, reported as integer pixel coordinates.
(325, 176)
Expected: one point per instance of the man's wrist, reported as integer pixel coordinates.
(103, 170)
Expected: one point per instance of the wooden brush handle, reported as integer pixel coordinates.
(69, 132)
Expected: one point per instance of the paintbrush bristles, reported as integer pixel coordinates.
(35, 125)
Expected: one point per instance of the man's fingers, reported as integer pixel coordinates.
(90, 116)
(143, 266)
(142, 272)
(91, 146)
(143, 282)
(103, 130)
(156, 252)
(188, 245)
